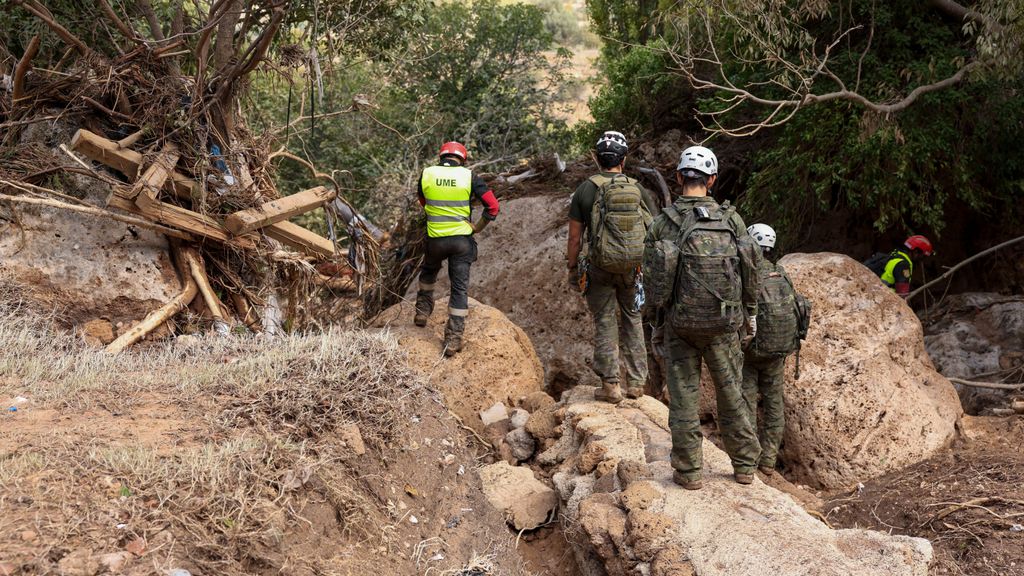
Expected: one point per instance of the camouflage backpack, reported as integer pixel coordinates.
(698, 273)
(619, 222)
(777, 322)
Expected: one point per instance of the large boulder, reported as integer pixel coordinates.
(868, 400)
(977, 336)
(614, 481)
(83, 266)
(497, 362)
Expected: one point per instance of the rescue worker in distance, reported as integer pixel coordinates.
(615, 212)
(765, 356)
(897, 268)
(445, 191)
(700, 268)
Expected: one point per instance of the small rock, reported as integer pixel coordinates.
(522, 444)
(79, 563)
(98, 332)
(494, 414)
(353, 438)
(505, 454)
(115, 561)
(414, 520)
(513, 490)
(137, 546)
(29, 535)
(640, 495)
(630, 471)
(543, 424)
(178, 572)
(519, 418)
(535, 401)
(649, 532)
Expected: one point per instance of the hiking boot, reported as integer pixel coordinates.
(694, 484)
(766, 470)
(609, 392)
(453, 335)
(743, 478)
(424, 308)
(634, 391)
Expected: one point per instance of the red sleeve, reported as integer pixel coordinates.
(902, 288)
(490, 202)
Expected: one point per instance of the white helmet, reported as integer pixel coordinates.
(762, 234)
(700, 159)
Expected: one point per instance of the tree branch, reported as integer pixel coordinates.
(40, 11)
(120, 24)
(21, 70)
(963, 13)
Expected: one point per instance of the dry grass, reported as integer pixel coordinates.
(269, 410)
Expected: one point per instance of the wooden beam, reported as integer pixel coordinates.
(278, 210)
(126, 161)
(191, 223)
(148, 186)
(298, 237)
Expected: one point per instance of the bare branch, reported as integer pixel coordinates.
(21, 70)
(120, 24)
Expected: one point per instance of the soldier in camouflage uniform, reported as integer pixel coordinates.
(609, 295)
(765, 358)
(696, 173)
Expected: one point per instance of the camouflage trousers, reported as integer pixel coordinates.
(617, 328)
(724, 359)
(766, 376)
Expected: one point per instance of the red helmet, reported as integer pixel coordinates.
(453, 149)
(919, 242)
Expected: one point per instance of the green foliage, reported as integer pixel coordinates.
(623, 23)
(634, 85)
(483, 74)
(902, 170)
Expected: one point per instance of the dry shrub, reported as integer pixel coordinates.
(270, 406)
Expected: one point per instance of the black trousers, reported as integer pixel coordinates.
(460, 252)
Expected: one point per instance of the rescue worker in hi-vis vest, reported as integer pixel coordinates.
(445, 192)
(897, 268)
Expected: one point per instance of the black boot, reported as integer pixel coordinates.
(424, 307)
(453, 335)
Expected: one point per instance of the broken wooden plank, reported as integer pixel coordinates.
(190, 223)
(147, 187)
(298, 237)
(278, 210)
(126, 161)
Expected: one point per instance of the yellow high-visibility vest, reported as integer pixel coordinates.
(887, 276)
(447, 190)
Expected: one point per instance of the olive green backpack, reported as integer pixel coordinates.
(619, 222)
(696, 274)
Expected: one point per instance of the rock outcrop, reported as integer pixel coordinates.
(977, 336)
(868, 400)
(497, 363)
(612, 474)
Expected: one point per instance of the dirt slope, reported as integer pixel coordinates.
(303, 455)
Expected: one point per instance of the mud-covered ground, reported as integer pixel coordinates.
(969, 501)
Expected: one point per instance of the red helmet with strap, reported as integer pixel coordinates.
(919, 242)
(453, 149)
